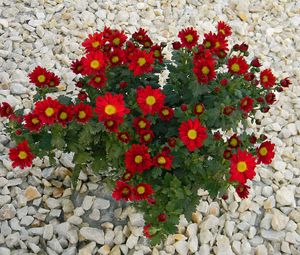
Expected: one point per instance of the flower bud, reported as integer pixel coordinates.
(243, 47)
(252, 139)
(270, 98)
(162, 217)
(172, 142)
(255, 62)
(183, 107)
(236, 47)
(285, 82)
(224, 82)
(176, 45)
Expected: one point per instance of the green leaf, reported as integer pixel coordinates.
(65, 100)
(99, 165)
(75, 174)
(82, 157)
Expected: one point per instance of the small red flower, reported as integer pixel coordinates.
(142, 191)
(117, 38)
(124, 137)
(188, 37)
(117, 57)
(127, 176)
(94, 42)
(98, 80)
(139, 36)
(140, 124)
(227, 154)
(147, 42)
(249, 76)
(166, 113)
(234, 141)
(224, 29)
(270, 98)
(146, 136)
(228, 110)
(141, 62)
(255, 62)
(147, 231)
(157, 53)
(111, 125)
(237, 65)
(33, 122)
(242, 190)
(265, 153)
(83, 112)
(176, 45)
(163, 160)
(183, 107)
(122, 191)
(65, 114)
(224, 82)
(285, 82)
(77, 66)
(199, 109)
(21, 155)
(217, 136)
(5, 109)
(172, 142)
(53, 80)
(39, 76)
(252, 139)
(267, 79)
(137, 158)
(244, 47)
(123, 84)
(93, 62)
(246, 104)
(47, 110)
(162, 217)
(204, 69)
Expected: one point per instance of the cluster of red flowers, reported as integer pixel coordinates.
(43, 78)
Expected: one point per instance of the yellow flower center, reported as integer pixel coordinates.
(41, 78)
(147, 44)
(141, 190)
(199, 108)
(95, 44)
(22, 155)
(97, 79)
(150, 100)
(161, 160)
(51, 83)
(192, 134)
(116, 41)
(49, 111)
(217, 45)
(138, 159)
(35, 121)
(165, 112)
(222, 31)
(242, 166)
(156, 53)
(235, 67)
(127, 176)
(81, 114)
(189, 38)
(233, 142)
(125, 191)
(265, 78)
(207, 44)
(63, 115)
(147, 137)
(95, 64)
(110, 123)
(263, 151)
(142, 124)
(110, 109)
(115, 59)
(141, 61)
(205, 70)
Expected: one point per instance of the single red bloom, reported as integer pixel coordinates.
(111, 125)
(285, 82)
(162, 217)
(53, 80)
(157, 52)
(255, 62)
(199, 109)
(236, 47)
(140, 124)
(163, 160)
(172, 142)
(267, 79)
(117, 57)
(33, 122)
(244, 47)
(204, 69)
(150, 100)
(176, 45)
(21, 155)
(252, 139)
(224, 82)
(141, 62)
(65, 114)
(39, 76)
(263, 137)
(265, 152)
(111, 107)
(234, 141)
(5, 109)
(270, 98)
(146, 136)
(242, 190)
(139, 35)
(260, 100)
(183, 107)
(127, 176)
(83, 112)
(18, 132)
(209, 41)
(124, 137)
(224, 29)
(93, 62)
(137, 158)
(242, 166)
(217, 136)
(237, 65)
(147, 42)
(77, 66)
(82, 95)
(117, 38)
(166, 113)
(94, 42)
(246, 104)
(147, 231)
(142, 191)
(227, 154)
(192, 134)
(98, 80)
(47, 110)
(255, 82)
(220, 46)
(228, 110)
(122, 191)
(249, 76)
(188, 37)
(166, 150)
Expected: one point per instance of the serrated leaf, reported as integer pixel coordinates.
(75, 174)
(65, 100)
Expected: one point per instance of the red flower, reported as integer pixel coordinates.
(265, 153)
(234, 141)
(147, 42)
(228, 110)
(209, 41)
(98, 80)
(140, 124)
(166, 113)
(65, 114)
(39, 76)
(176, 45)
(199, 109)
(137, 158)
(192, 134)
(111, 107)
(117, 57)
(224, 82)
(172, 142)
(142, 191)
(77, 66)
(270, 98)
(255, 62)
(139, 35)
(127, 176)
(224, 29)
(146, 136)
(188, 37)
(150, 100)
(122, 191)
(124, 137)
(47, 110)
(157, 53)
(83, 112)
(183, 107)
(252, 139)
(33, 122)
(267, 79)
(117, 38)
(111, 125)
(220, 46)
(227, 154)
(123, 84)
(5, 109)
(237, 65)
(53, 80)
(285, 82)
(242, 190)
(162, 217)
(163, 160)
(246, 104)
(21, 155)
(249, 76)
(147, 231)
(94, 42)
(204, 69)
(217, 136)
(141, 62)
(93, 62)
(242, 166)
(244, 47)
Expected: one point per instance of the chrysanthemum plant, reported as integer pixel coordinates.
(161, 141)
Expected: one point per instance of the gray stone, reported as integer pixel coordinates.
(4, 200)
(93, 234)
(70, 251)
(87, 202)
(7, 212)
(52, 203)
(4, 251)
(95, 215)
(48, 232)
(272, 235)
(12, 240)
(18, 89)
(101, 204)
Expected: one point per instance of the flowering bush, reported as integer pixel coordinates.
(162, 142)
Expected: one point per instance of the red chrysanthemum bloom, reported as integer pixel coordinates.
(223, 29)
(65, 114)
(249, 76)
(111, 107)
(98, 80)
(111, 125)
(265, 153)
(117, 38)
(157, 52)
(163, 160)
(146, 136)
(140, 124)
(141, 62)
(137, 158)
(267, 79)
(124, 137)
(192, 134)
(166, 113)
(220, 47)
(172, 142)
(234, 141)
(227, 154)
(33, 122)
(83, 112)
(142, 191)
(270, 98)
(242, 190)
(77, 66)
(150, 100)
(93, 63)
(224, 82)
(188, 37)
(139, 36)
(147, 42)
(147, 231)
(255, 62)
(127, 176)
(122, 191)
(162, 217)
(199, 109)
(39, 76)
(54, 80)
(246, 104)
(237, 65)
(21, 155)
(285, 82)
(204, 69)
(5, 109)
(228, 110)
(94, 42)
(242, 166)
(47, 110)
(117, 57)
